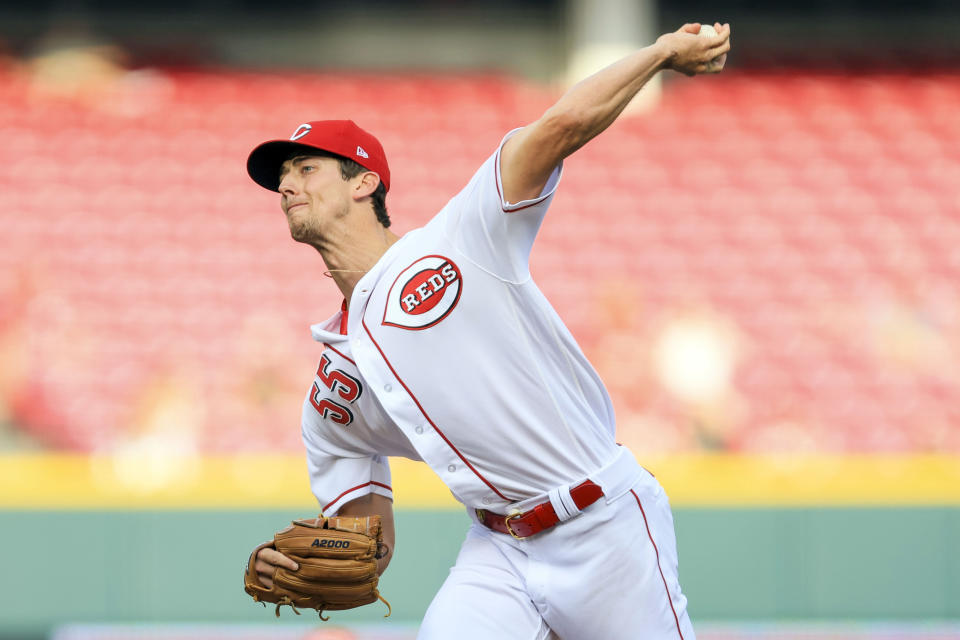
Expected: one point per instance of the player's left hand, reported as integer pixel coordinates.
(690, 53)
(319, 563)
(267, 561)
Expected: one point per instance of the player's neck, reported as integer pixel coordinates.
(349, 258)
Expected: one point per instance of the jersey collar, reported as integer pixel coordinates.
(334, 329)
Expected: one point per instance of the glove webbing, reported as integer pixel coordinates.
(286, 601)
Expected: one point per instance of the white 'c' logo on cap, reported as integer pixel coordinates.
(301, 131)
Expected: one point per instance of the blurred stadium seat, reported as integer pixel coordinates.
(817, 214)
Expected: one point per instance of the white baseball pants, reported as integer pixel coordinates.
(610, 572)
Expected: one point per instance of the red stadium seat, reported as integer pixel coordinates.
(817, 214)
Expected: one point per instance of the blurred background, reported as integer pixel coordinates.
(764, 267)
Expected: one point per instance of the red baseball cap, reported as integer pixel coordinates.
(340, 137)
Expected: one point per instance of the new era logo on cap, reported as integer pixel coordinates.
(362, 153)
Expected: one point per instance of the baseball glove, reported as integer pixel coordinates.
(337, 560)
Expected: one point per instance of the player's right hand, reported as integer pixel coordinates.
(268, 561)
(690, 53)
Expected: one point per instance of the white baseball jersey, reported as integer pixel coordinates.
(450, 354)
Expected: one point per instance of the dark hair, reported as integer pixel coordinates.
(350, 169)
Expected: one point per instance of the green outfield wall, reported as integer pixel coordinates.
(160, 539)
(893, 563)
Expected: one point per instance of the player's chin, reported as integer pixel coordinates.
(299, 231)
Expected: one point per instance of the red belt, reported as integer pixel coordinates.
(541, 517)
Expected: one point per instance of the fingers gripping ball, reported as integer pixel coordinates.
(708, 31)
(337, 560)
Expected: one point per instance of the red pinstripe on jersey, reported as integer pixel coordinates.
(496, 175)
(657, 552)
(327, 345)
(432, 423)
(359, 486)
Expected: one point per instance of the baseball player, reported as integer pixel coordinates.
(444, 350)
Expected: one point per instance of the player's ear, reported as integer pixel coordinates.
(366, 185)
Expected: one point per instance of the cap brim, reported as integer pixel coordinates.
(265, 161)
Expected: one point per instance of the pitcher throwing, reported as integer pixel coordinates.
(445, 351)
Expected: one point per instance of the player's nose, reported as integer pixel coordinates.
(288, 184)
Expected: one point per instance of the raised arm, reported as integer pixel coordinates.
(590, 106)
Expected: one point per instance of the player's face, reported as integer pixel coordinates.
(314, 196)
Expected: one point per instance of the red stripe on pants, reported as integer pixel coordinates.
(657, 552)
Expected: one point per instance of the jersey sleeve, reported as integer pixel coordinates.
(336, 478)
(495, 234)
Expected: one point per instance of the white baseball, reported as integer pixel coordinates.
(707, 31)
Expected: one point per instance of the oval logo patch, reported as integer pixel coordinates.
(423, 294)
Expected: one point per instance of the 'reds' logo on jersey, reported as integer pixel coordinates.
(423, 294)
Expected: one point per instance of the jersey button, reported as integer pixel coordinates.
(419, 430)
(452, 468)
(487, 500)
(388, 387)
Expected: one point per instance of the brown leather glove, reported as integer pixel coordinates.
(337, 557)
